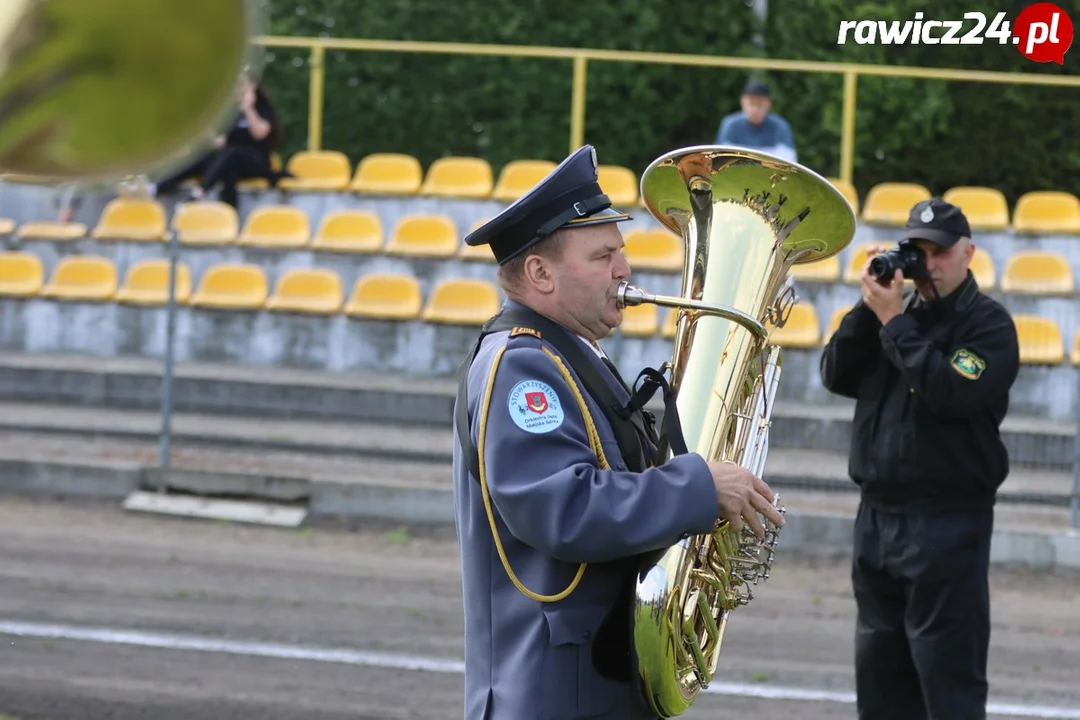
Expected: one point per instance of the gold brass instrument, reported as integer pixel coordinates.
(745, 218)
(103, 88)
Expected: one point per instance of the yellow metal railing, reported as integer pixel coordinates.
(581, 58)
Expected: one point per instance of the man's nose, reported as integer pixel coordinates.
(622, 268)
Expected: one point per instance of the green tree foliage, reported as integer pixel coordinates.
(935, 132)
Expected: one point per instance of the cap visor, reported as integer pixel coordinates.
(606, 215)
(938, 237)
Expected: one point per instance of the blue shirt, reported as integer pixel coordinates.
(773, 135)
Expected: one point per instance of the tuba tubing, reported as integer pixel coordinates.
(745, 219)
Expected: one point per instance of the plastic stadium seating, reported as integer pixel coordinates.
(461, 177)
(520, 176)
(1037, 272)
(671, 318)
(147, 283)
(386, 297)
(317, 170)
(848, 191)
(640, 320)
(891, 203)
(388, 174)
(126, 218)
(207, 222)
(232, 286)
(424, 236)
(261, 183)
(619, 184)
(7, 226)
(802, 329)
(827, 270)
(357, 231)
(1047, 211)
(82, 277)
(481, 253)
(657, 249)
(464, 301)
(982, 267)
(51, 230)
(22, 274)
(985, 208)
(834, 322)
(856, 260)
(1074, 356)
(1040, 340)
(307, 290)
(279, 226)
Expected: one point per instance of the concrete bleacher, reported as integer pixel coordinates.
(341, 271)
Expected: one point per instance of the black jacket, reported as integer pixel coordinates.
(932, 387)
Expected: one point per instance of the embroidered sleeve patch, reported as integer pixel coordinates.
(968, 364)
(534, 407)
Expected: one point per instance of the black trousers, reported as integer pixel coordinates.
(921, 584)
(227, 166)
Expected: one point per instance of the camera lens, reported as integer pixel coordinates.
(880, 267)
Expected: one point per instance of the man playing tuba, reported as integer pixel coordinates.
(555, 488)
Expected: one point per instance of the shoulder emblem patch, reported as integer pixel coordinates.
(968, 364)
(524, 331)
(535, 407)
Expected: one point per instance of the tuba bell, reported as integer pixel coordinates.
(745, 218)
(94, 89)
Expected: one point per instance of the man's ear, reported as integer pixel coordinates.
(539, 274)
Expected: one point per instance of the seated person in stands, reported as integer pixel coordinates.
(242, 153)
(757, 128)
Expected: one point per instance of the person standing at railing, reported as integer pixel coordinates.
(756, 126)
(931, 374)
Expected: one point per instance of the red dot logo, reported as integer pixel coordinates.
(1043, 33)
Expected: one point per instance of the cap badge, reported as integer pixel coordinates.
(927, 214)
(592, 153)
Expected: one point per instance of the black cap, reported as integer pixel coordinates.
(569, 196)
(756, 87)
(939, 222)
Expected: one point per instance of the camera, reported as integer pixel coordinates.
(907, 258)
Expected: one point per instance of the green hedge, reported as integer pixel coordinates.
(938, 133)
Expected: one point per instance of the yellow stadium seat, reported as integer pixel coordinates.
(856, 261)
(22, 274)
(463, 177)
(1040, 340)
(317, 170)
(640, 320)
(424, 236)
(277, 226)
(147, 283)
(307, 290)
(128, 218)
(619, 184)
(985, 208)
(671, 319)
(520, 176)
(834, 321)
(827, 270)
(51, 230)
(7, 226)
(1037, 272)
(848, 191)
(207, 222)
(386, 297)
(388, 174)
(1075, 354)
(656, 249)
(1047, 211)
(464, 301)
(261, 183)
(357, 231)
(82, 277)
(890, 203)
(802, 329)
(231, 286)
(982, 267)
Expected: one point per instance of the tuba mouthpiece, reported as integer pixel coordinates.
(628, 295)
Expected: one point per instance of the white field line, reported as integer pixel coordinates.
(163, 641)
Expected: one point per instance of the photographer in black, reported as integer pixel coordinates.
(931, 374)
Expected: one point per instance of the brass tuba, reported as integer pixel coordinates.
(745, 218)
(93, 89)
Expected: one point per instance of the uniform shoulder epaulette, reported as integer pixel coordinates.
(525, 331)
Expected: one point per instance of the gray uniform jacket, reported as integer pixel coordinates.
(554, 508)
